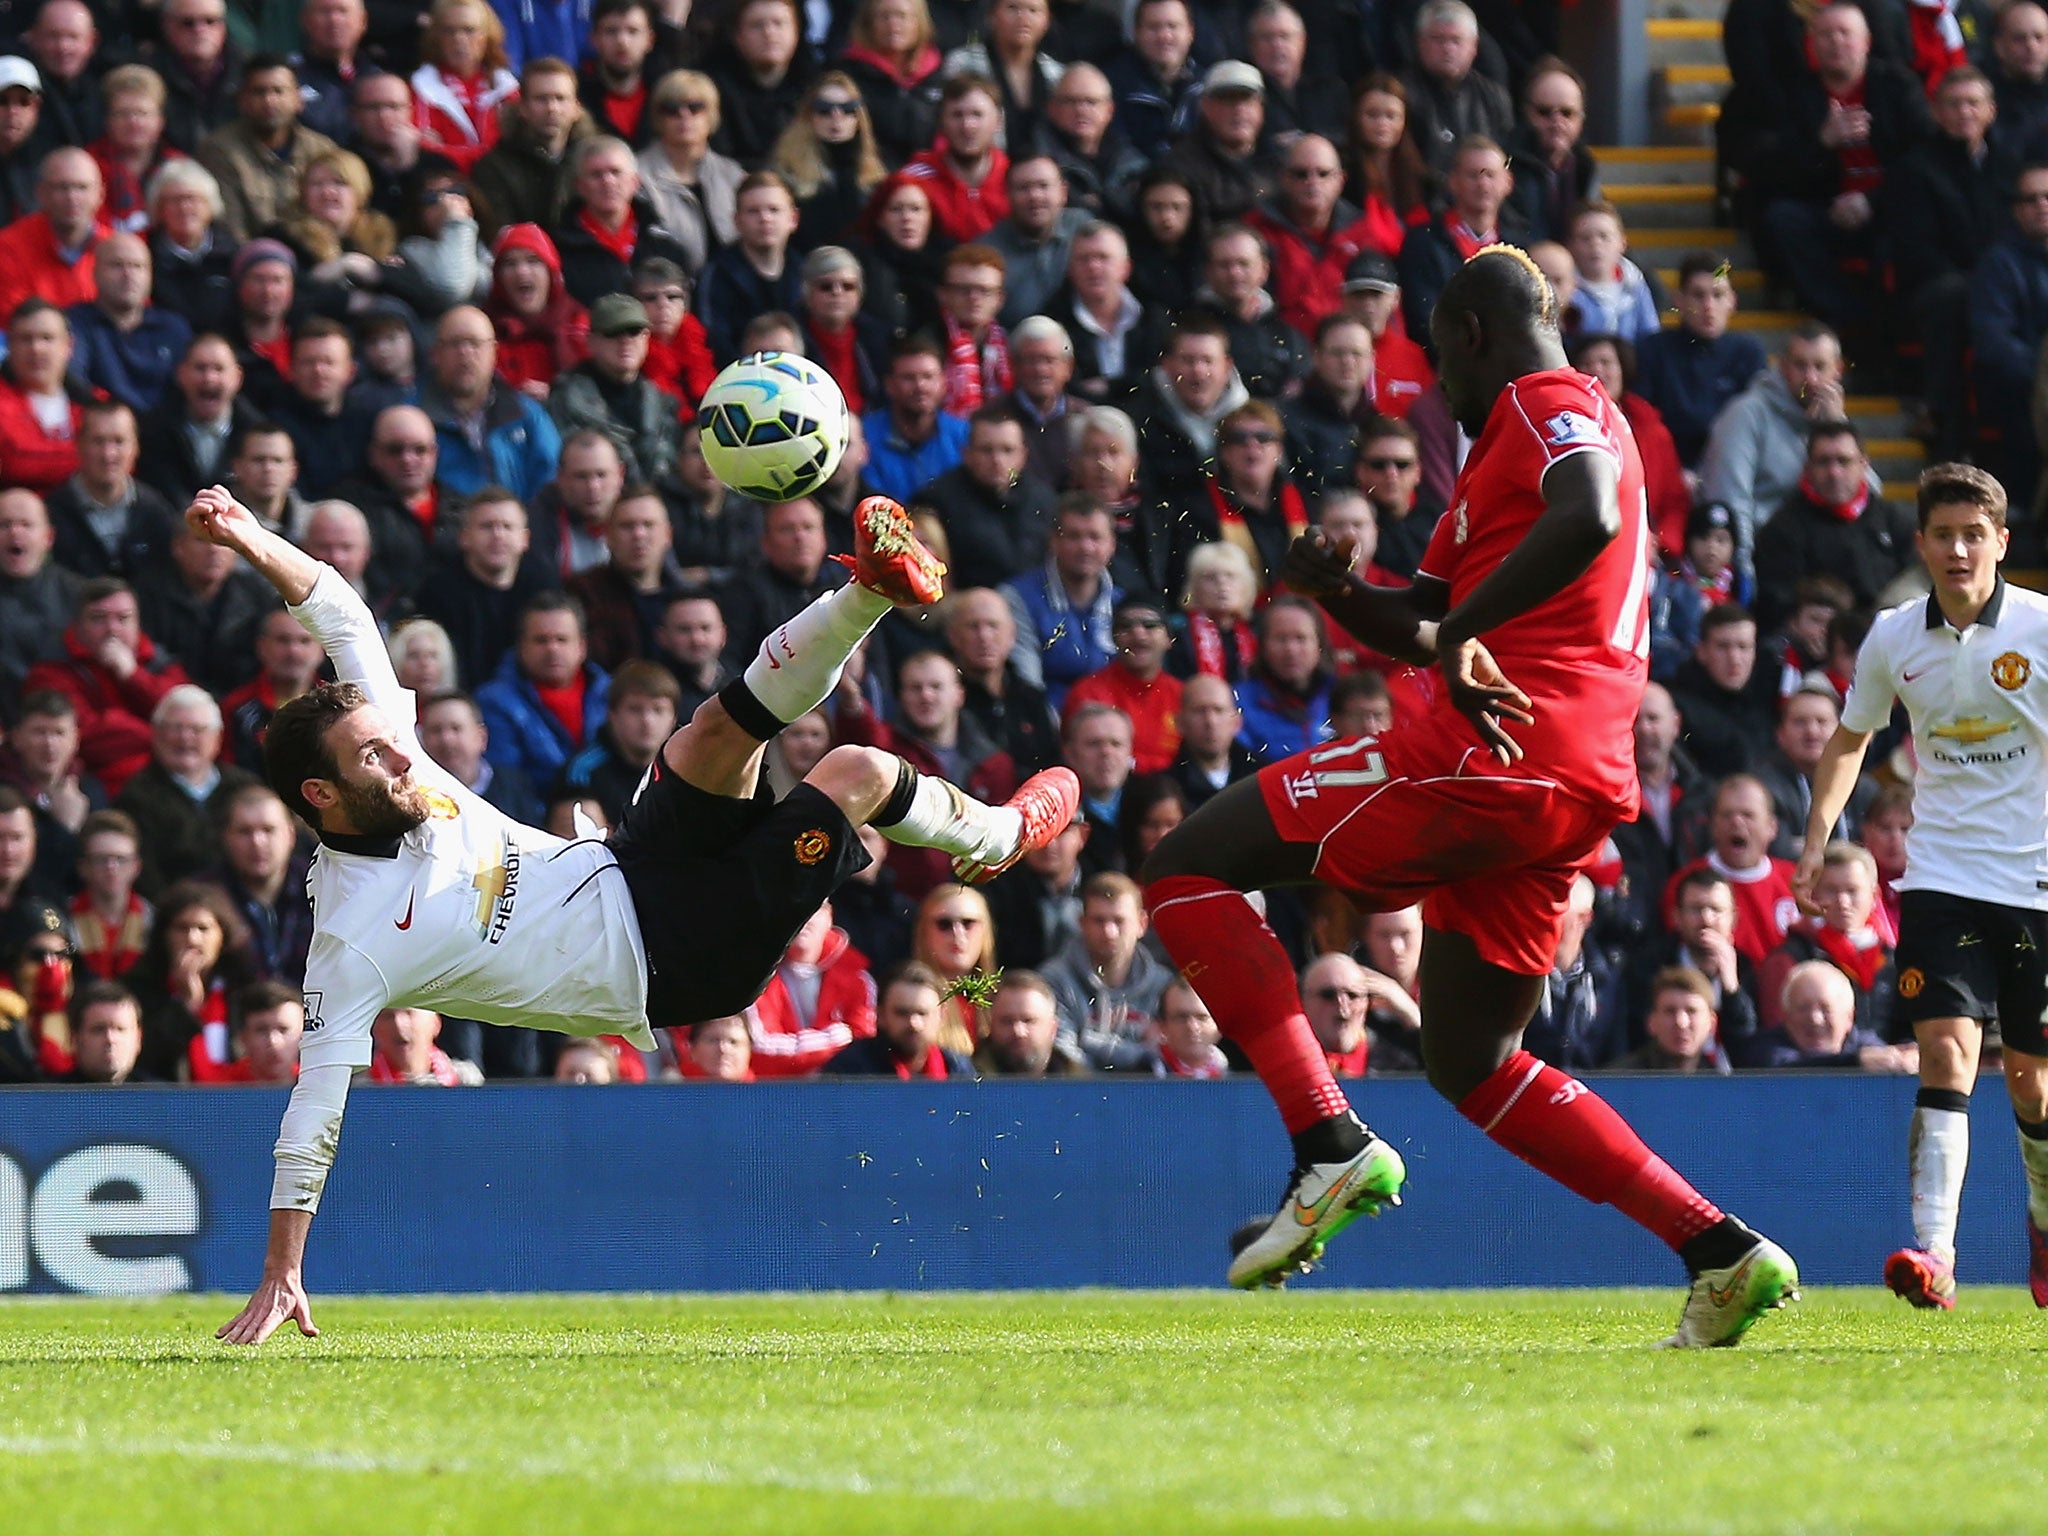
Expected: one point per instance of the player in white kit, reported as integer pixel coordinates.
(1970, 663)
(426, 896)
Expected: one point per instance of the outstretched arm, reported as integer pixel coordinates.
(218, 518)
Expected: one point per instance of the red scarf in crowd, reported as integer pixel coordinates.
(838, 356)
(1860, 956)
(1937, 40)
(1288, 507)
(1861, 169)
(107, 949)
(1848, 511)
(975, 375)
(1211, 660)
(1214, 1067)
(621, 241)
(1349, 1063)
(207, 1067)
(624, 112)
(1467, 239)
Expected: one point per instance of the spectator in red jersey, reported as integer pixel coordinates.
(1401, 374)
(49, 254)
(1024, 1032)
(269, 1022)
(106, 1036)
(407, 1052)
(678, 353)
(1248, 499)
(1554, 172)
(1312, 232)
(542, 331)
(1815, 158)
(198, 955)
(288, 659)
(1386, 175)
(114, 676)
(1742, 830)
(1187, 1036)
(1612, 361)
(463, 79)
(1137, 683)
(909, 1017)
(1334, 996)
(934, 735)
(719, 1051)
(1845, 935)
(820, 1000)
(1220, 592)
(966, 173)
(39, 416)
(614, 84)
(108, 914)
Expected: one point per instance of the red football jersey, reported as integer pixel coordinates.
(1583, 656)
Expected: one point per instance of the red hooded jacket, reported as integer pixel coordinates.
(783, 1046)
(113, 713)
(535, 349)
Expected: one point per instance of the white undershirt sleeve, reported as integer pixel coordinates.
(309, 1137)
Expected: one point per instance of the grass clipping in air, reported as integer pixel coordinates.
(977, 986)
(1039, 1414)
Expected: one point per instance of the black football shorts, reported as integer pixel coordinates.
(1959, 958)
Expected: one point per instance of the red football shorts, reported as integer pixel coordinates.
(1417, 814)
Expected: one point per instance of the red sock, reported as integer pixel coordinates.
(1559, 1126)
(1229, 955)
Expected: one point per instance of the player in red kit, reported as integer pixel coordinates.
(1484, 810)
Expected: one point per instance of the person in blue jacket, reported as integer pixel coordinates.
(1285, 700)
(548, 701)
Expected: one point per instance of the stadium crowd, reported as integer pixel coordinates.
(1120, 309)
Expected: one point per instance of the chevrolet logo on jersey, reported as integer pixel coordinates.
(1969, 730)
(497, 892)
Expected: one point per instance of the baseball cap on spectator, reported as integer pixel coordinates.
(22, 923)
(1709, 517)
(1369, 271)
(618, 314)
(15, 70)
(1234, 75)
(256, 251)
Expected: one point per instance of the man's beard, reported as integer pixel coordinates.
(382, 809)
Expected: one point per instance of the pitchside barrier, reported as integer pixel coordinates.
(848, 1185)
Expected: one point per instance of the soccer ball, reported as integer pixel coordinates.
(775, 426)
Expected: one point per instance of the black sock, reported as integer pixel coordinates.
(1330, 1141)
(1943, 1098)
(897, 806)
(748, 712)
(2033, 1130)
(1719, 1246)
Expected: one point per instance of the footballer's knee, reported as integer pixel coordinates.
(1456, 1067)
(859, 780)
(2026, 1083)
(1948, 1053)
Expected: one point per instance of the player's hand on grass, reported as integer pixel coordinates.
(1480, 691)
(1807, 876)
(278, 1299)
(1318, 565)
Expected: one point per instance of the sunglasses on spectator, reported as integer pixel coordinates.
(685, 106)
(1386, 464)
(826, 106)
(951, 923)
(1244, 439)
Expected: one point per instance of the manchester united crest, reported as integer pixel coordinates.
(2011, 671)
(813, 846)
(441, 805)
(1912, 981)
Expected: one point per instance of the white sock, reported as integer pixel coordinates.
(1938, 1153)
(2034, 1153)
(944, 818)
(800, 661)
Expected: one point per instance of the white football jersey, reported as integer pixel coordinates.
(470, 914)
(1978, 702)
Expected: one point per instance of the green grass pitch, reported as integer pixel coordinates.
(1057, 1413)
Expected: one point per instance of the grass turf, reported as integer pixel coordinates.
(1065, 1412)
